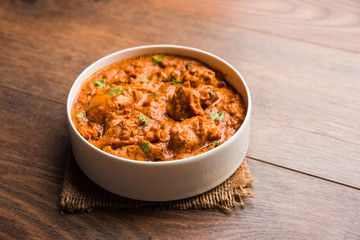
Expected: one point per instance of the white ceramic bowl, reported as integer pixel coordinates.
(162, 181)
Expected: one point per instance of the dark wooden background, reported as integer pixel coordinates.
(301, 60)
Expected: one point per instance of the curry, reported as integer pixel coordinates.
(157, 108)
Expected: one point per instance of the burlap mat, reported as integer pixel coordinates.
(80, 194)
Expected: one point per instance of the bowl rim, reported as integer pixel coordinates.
(171, 162)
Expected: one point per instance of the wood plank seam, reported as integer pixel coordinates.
(297, 171)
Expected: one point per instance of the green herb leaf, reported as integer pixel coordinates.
(217, 116)
(100, 83)
(144, 80)
(157, 94)
(176, 81)
(213, 146)
(145, 147)
(119, 88)
(81, 115)
(158, 59)
(144, 119)
(115, 90)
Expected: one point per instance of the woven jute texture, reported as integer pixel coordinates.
(80, 194)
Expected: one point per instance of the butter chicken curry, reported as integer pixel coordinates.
(157, 108)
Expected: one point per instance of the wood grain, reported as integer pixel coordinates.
(305, 96)
(327, 23)
(40, 126)
(301, 62)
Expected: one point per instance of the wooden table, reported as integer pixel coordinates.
(301, 60)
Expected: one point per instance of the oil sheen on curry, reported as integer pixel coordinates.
(157, 108)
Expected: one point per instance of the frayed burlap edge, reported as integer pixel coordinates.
(80, 194)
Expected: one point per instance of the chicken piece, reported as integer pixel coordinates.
(102, 105)
(129, 129)
(171, 73)
(132, 152)
(192, 134)
(119, 133)
(91, 130)
(155, 152)
(199, 76)
(208, 95)
(144, 151)
(155, 103)
(184, 104)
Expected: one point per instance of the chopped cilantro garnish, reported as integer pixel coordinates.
(176, 81)
(81, 115)
(119, 88)
(213, 146)
(145, 147)
(157, 94)
(144, 119)
(116, 90)
(144, 80)
(158, 59)
(217, 116)
(100, 83)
